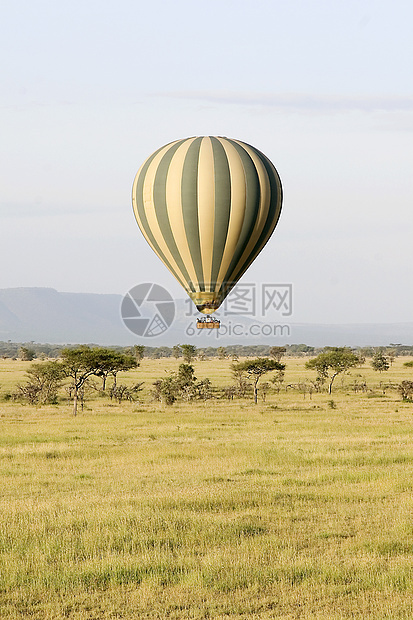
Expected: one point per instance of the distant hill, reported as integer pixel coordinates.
(46, 315)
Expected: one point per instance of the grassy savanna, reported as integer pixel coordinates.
(216, 509)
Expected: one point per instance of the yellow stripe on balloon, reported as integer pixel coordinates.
(206, 208)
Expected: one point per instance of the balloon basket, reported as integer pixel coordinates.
(208, 323)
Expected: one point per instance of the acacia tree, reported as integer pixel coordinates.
(44, 380)
(83, 362)
(277, 352)
(256, 368)
(380, 362)
(78, 365)
(332, 362)
(112, 362)
(138, 351)
(391, 355)
(188, 352)
(176, 351)
(222, 353)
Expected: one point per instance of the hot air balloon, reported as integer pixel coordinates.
(207, 206)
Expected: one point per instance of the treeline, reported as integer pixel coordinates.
(80, 371)
(32, 350)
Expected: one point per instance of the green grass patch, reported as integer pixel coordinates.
(208, 510)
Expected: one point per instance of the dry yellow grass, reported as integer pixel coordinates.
(289, 509)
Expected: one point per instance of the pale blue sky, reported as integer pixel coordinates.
(325, 88)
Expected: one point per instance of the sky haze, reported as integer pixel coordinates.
(90, 89)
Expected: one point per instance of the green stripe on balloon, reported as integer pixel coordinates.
(222, 206)
(190, 208)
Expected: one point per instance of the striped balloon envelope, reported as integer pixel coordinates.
(207, 206)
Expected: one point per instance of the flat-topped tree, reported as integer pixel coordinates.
(112, 362)
(332, 362)
(81, 363)
(256, 368)
(277, 352)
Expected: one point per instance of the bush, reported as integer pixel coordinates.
(406, 390)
